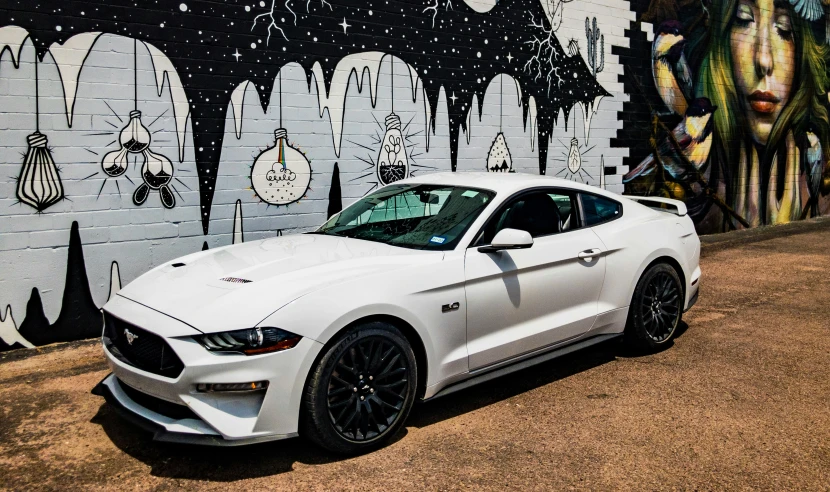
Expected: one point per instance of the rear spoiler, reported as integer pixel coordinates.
(669, 205)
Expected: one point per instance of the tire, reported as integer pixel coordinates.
(359, 394)
(656, 309)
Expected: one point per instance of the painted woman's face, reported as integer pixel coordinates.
(763, 61)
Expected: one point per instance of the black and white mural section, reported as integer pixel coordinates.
(283, 158)
(115, 186)
(174, 127)
(586, 150)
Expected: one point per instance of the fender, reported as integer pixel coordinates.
(416, 297)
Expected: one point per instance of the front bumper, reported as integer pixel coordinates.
(164, 428)
(693, 291)
(219, 419)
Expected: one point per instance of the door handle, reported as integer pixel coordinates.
(589, 254)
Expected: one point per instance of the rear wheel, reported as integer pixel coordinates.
(656, 308)
(361, 391)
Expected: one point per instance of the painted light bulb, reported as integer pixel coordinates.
(135, 137)
(39, 185)
(157, 172)
(281, 174)
(574, 158)
(115, 163)
(393, 162)
(499, 160)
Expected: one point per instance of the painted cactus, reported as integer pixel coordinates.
(594, 39)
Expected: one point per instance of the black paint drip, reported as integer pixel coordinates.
(335, 193)
(79, 317)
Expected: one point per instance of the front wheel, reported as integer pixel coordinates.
(361, 391)
(656, 309)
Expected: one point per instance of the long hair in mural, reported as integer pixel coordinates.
(738, 115)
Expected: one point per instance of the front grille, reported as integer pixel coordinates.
(161, 407)
(148, 351)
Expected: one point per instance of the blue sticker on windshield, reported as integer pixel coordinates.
(438, 239)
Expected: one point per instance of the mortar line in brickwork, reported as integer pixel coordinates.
(37, 98)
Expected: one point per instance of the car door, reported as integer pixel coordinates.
(522, 300)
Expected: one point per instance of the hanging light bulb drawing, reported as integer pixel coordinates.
(115, 163)
(157, 172)
(138, 137)
(499, 159)
(393, 159)
(574, 158)
(39, 184)
(281, 174)
(393, 163)
(134, 139)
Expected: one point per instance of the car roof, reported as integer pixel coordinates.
(501, 183)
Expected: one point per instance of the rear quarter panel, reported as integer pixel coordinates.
(634, 241)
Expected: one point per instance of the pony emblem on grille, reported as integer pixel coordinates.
(130, 336)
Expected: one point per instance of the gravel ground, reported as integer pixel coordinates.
(741, 400)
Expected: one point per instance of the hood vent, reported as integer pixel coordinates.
(235, 280)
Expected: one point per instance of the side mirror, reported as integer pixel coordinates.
(508, 239)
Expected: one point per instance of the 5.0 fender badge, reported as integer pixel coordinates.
(446, 308)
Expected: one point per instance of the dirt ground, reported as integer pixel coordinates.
(742, 400)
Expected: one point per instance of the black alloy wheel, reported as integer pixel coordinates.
(359, 394)
(659, 308)
(367, 388)
(656, 308)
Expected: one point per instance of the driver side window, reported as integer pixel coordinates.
(541, 213)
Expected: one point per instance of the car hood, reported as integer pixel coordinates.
(238, 286)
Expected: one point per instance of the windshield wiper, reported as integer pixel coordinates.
(325, 233)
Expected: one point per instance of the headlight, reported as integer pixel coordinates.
(250, 342)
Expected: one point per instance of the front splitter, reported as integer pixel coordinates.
(151, 422)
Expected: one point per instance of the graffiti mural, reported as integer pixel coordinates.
(739, 125)
(244, 43)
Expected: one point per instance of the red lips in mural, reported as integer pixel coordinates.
(763, 102)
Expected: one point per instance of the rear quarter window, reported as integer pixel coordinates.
(599, 209)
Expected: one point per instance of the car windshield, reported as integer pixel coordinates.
(415, 216)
